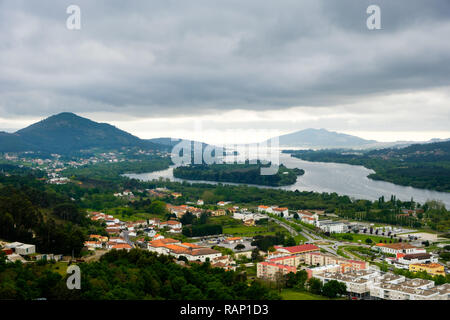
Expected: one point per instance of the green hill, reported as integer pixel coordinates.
(66, 133)
(10, 142)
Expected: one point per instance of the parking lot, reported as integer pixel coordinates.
(221, 241)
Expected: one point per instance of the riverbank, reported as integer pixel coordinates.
(321, 177)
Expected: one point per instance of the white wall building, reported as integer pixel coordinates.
(331, 226)
(26, 249)
(400, 247)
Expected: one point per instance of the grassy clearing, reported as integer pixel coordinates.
(134, 217)
(253, 231)
(237, 228)
(59, 267)
(293, 294)
(361, 238)
(300, 239)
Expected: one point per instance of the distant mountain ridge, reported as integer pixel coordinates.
(67, 132)
(322, 138)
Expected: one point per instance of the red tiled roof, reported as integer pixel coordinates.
(162, 242)
(397, 246)
(301, 248)
(121, 246)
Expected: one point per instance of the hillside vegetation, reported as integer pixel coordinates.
(238, 173)
(424, 166)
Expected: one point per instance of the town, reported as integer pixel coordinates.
(373, 261)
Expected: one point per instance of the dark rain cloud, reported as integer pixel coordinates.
(158, 58)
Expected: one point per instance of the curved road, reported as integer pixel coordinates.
(331, 248)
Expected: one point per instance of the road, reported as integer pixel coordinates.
(96, 256)
(309, 236)
(291, 230)
(332, 247)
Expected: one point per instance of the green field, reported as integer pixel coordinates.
(241, 230)
(361, 237)
(59, 267)
(237, 228)
(300, 238)
(293, 294)
(135, 216)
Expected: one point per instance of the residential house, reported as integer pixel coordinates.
(93, 245)
(232, 240)
(218, 213)
(281, 212)
(264, 209)
(175, 248)
(172, 224)
(308, 216)
(121, 246)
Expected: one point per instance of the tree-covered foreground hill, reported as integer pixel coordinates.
(122, 275)
(32, 212)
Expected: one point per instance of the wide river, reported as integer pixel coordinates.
(344, 179)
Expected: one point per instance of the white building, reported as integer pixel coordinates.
(93, 244)
(177, 249)
(399, 248)
(265, 209)
(21, 248)
(281, 212)
(172, 224)
(358, 283)
(244, 216)
(26, 249)
(417, 258)
(13, 245)
(370, 284)
(331, 226)
(308, 217)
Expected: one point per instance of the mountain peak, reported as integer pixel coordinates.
(322, 138)
(66, 115)
(67, 132)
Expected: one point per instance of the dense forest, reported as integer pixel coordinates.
(112, 171)
(7, 167)
(238, 173)
(31, 212)
(133, 275)
(424, 166)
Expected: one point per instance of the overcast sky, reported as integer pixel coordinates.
(211, 69)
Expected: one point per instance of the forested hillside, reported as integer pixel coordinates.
(30, 212)
(424, 166)
(121, 275)
(67, 133)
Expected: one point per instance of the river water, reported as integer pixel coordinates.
(344, 179)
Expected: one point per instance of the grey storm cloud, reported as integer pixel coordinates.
(159, 58)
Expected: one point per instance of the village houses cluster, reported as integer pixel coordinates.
(363, 281)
